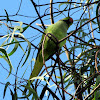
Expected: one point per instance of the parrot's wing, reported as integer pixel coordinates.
(40, 44)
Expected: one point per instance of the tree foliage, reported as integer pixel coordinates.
(73, 72)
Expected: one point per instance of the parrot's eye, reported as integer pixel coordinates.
(68, 21)
(71, 20)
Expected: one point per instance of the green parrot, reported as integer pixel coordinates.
(59, 30)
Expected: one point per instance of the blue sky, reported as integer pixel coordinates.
(11, 6)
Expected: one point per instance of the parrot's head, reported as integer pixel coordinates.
(68, 21)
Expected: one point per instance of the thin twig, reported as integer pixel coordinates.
(19, 7)
(38, 13)
(92, 92)
(67, 54)
(51, 12)
(96, 61)
(91, 24)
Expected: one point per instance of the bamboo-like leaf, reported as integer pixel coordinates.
(31, 91)
(20, 35)
(6, 85)
(24, 28)
(18, 28)
(29, 47)
(62, 4)
(15, 47)
(3, 51)
(41, 78)
(97, 93)
(91, 40)
(70, 82)
(67, 78)
(97, 14)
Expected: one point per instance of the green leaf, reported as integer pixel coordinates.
(41, 78)
(29, 49)
(67, 78)
(15, 47)
(62, 4)
(83, 69)
(31, 91)
(7, 59)
(24, 28)
(97, 14)
(97, 92)
(18, 28)
(74, 47)
(70, 82)
(6, 85)
(91, 40)
(29, 46)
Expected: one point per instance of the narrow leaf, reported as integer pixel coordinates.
(2, 50)
(6, 85)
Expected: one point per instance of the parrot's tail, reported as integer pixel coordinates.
(36, 70)
(37, 67)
